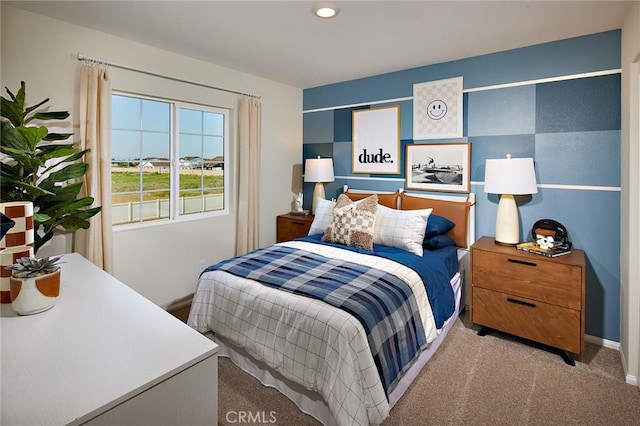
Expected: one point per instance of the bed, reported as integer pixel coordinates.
(285, 315)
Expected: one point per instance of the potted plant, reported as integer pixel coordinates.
(35, 284)
(38, 166)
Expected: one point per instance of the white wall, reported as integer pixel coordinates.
(630, 221)
(160, 262)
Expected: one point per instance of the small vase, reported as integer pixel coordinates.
(34, 295)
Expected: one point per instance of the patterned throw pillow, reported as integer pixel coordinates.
(353, 223)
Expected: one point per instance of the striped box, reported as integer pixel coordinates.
(22, 234)
(9, 256)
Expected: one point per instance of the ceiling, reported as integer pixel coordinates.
(283, 41)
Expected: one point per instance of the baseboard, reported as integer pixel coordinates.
(632, 380)
(179, 303)
(628, 378)
(602, 342)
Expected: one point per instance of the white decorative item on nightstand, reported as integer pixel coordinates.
(299, 201)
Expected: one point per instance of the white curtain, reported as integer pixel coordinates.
(96, 243)
(249, 129)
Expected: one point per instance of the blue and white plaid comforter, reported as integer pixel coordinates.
(382, 302)
(315, 345)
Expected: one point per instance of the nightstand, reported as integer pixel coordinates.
(531, 296)
(290, 226)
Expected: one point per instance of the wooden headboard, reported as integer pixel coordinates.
(458, 210)
(386, 199)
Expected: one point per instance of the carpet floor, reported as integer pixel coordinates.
(472, 380)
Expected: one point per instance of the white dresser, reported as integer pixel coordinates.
(104, 355)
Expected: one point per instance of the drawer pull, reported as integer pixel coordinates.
(521, 302)
(522, 262)
(298, 223)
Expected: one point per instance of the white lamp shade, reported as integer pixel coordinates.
(515, 176)
(318, 170)
(509, 177)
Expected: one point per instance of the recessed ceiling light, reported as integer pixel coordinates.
(325, 10)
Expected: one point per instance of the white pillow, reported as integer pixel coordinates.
(323, 216)
(403, 229)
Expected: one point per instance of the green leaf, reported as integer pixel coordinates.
(28, 162)
(72, 224)
(22, 93)
(57, 137)
(72, 171)
(12, 137)
(9, 171)
(11, 111)
(78, 204)
(78, 220)
(33, 135)
(88, 213)
(11, 95)
(53, 115)
(34, 191)
(56, 151)
(17, 154)
(69, 159)
(41, 217)
(64, 194)
(28, 110)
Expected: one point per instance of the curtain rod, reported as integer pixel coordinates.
(84, 58)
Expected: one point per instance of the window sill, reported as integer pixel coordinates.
(169, 222)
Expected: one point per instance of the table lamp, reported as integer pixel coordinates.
(318, 170)
(509, 177)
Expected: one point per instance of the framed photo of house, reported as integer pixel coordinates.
(438, 167)
(375, 143)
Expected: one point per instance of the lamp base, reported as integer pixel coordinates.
(318, 192)
(507, 224)
(500, 243)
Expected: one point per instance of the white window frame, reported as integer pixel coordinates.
(174, 150)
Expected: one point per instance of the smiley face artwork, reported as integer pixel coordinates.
(436, 109)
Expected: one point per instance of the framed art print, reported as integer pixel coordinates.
(437, 109)
(375, 143)
(438, 167)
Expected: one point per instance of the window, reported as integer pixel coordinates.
(167, 159)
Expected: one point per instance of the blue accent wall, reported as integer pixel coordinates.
(569, 126)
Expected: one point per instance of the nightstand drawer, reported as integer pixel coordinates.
(289, 227)
(549, 324)
(532, 277)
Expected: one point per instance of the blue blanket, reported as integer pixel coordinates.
(383, 303)
(435, 267)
